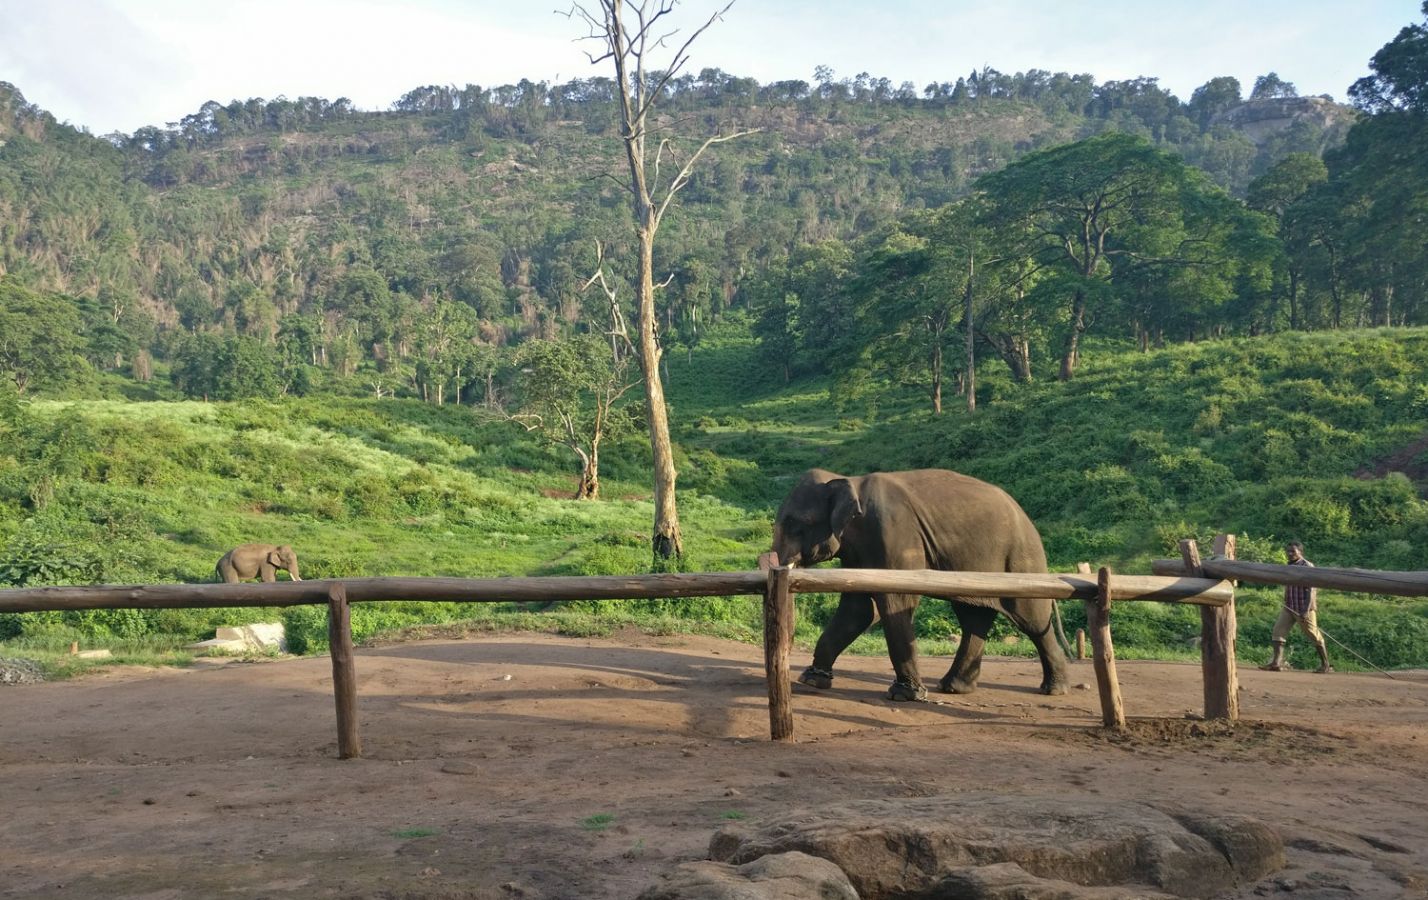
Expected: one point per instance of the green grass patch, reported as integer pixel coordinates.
(1292, 436)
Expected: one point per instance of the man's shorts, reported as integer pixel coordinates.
(1307, 624)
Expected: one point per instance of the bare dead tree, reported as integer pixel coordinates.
(631, 46)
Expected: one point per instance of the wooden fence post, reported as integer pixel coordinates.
(1217, 638)
(1218, 628)
(1083, 568)
(1098, 620)
(778, 643)
(344, 671)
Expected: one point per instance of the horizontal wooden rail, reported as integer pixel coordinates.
(460, 590)
(965, 585)
(1365, 581)
(970, 585)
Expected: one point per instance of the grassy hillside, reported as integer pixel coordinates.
(241, 217)
(1316, 437)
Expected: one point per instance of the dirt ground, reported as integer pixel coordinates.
(545, 767)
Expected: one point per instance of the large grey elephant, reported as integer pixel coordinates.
(924, 519)
(257, 561)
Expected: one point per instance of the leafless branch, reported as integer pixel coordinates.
(618, 330)
(681, 55)
(682, 178)
(528, 421)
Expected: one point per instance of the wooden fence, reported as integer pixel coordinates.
(778, 585)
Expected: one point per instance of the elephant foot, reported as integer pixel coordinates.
(1055, 689)
(817, 678)
(902, 692)
(956, 686)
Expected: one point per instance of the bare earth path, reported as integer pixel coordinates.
(487, 758)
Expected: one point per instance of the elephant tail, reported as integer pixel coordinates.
(1061, 632)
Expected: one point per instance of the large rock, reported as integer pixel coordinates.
(779, 876)
(907, 848)
(1009, 881)
(258, 637)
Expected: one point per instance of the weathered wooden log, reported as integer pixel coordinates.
(971, 585)
(963, 585)
(344, 672)
(1080, 643)
(359, 590)
(1217, 648)
(778, 644)
(1098, 621)
(1365, 581)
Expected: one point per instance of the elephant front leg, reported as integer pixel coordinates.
(853, 616)
(976, 623)
(897, 611)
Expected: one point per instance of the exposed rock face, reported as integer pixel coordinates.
(923, 847)
(1260, 120)
(779, 876)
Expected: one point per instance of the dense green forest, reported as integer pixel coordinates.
(332, 238)
(374, 335)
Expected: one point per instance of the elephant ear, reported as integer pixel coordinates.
(846, 504)
(275, 557)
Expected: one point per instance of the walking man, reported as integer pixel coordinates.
(1299, 606)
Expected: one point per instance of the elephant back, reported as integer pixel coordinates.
(940, 519)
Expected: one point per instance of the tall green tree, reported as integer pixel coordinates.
(1275, 193)
(1399, 78)
(569, 390)
(1091, 212)
(41, 342)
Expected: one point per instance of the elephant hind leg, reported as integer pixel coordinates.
(976, 623)
(1038, 626)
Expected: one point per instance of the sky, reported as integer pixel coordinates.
(118, 65)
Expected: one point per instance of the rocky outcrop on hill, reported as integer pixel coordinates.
(1260, 120)
(992, 847)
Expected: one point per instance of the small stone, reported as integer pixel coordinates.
(783, 773)
(733, 792)
(149, 801)
(1082, 686)
(458, 767)
(686, 752)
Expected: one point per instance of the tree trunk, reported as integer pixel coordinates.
(971, 380)
(936, 374)
(1293, 299)
(589, 487)
(667, 541)
(1073, 339)
(1022, 370)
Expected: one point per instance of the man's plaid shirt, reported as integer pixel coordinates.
(1300, 599)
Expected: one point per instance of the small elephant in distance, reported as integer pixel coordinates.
(249, 561)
